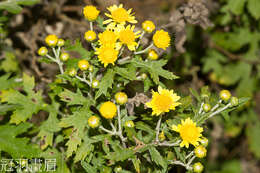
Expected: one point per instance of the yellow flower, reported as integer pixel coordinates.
(93, 121)
(90, 36)
(163, 101)
(108, 110)
(148, 26)
(118, 15)
(107, 38)
(43, 51)
(83, 64)
(189, 132)
(127, 37)
(161, 39)
(200, 151)
(51, 40)
(121, 98)
(107, 55)
(152, 54)
(90, 12)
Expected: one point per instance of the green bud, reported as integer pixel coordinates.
(206, 107)
(234, 101)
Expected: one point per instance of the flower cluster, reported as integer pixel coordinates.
(120, 33)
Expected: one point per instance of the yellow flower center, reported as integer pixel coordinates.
(107, 37)
(189, 132)
(119, 15)
(127, 36)
(107, 55)
(163, 102)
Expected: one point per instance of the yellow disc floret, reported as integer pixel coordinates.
(90, 36)
(161, 39)
(43, 51)
(91, 12)
(118, 15)
(107, 55)
(127, 37)
(163, 101)
(51, 40)
(83, 64)
(107, 38)
(189, 132)
(108, 110)
(121, 98)
(93, 121)
(200, 151)
(148, 26)
(152, 54)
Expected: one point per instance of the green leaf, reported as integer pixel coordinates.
(59, 157)
(120, 155)
(10, 6)
(253, 7)
(17, 147)
(252, 133)
(84, 150)
(28, 104)
(78, 120)
(77, 47)
(155, 68)
(72, 98)
(87, 167)
(27, 2)
(8, 82)
(105, 83)
(236, 7)
(157, 158)
(9, 64)
(127, 73)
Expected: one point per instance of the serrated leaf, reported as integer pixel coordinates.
(236, 7)
(126, 73)
(88, 168)
(9, 64)
(28, 104)
(155, 68)
(10, 6)
(157, 158)
(105, 83)
(8, 82)
(77, 47)
(120, 155)
(59, 158)
(253, 7)
(72, 98)
(83, 151)
(17, 147)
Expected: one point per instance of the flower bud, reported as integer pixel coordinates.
(198, 167)
(83, 65)
(72, 72)
(206, 107)
(43, 51)
(93, 121)
(121, 98)
(95, 83)
(129, 124)
(64, 56)
(225, 95)
(51, 40)
(152, 54)
(200, 151)
(234, 101)
(204, 141)
(60, 42)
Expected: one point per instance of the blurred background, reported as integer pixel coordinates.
(215, 43)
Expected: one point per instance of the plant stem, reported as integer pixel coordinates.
(60, 64)
(120, 128)
(91, 26)
(158, 128)
(201, 107)
(166, 143)
(108, 131)
(83, 80)
(216, 106)
(142, 34)
(220, 110)
(145, 50)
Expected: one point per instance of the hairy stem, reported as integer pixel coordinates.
(145, 50)
(158, 128)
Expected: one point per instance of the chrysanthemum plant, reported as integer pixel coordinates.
(91, 117)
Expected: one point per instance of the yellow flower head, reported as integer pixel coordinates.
(108, 110)
(90, 12)
(152, 54)
(90, 36)
(107, 38)
(161, 39)
(107, 55)
(51, 40)
(200, 151)
(127, 36)
(163, 101)
(148, 26)
(189, 132)
(119, 15)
